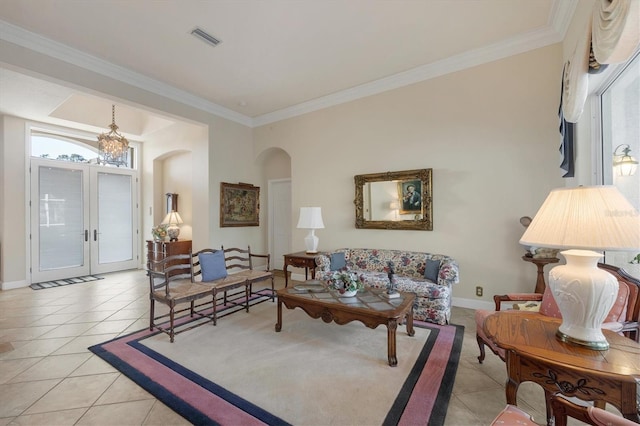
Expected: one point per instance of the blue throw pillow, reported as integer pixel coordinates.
(431, 269)
(338, 261)
(212, 265)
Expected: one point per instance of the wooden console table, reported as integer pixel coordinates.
(540, 262)
(300, 259)
(535, 354)
(158, 250)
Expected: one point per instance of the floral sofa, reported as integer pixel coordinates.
(433, 296)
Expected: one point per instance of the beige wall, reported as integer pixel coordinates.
(490, 135)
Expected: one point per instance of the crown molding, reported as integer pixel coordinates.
(516, 45)
(29, 40)
(561, 14)
(559, 19)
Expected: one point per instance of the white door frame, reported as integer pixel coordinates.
(90, 206)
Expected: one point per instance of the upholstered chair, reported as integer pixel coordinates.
(562, 409)
(622, 318)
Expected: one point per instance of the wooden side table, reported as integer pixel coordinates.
(158, 250)
(534, 354)
(300, 259)
(540, 262)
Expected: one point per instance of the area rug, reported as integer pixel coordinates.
(68, 281)
(243, 372)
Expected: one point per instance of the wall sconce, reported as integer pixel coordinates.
(623, 163)
(311, 218)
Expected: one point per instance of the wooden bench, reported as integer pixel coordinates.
(178, 279)
(222, 285)
(171, 282)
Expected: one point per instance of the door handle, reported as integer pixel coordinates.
(95, 235)
(86, 235)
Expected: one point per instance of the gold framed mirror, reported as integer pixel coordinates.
(395, 200)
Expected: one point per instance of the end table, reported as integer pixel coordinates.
(300, 259)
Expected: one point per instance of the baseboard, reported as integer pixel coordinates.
(472, 304)
(11, 285)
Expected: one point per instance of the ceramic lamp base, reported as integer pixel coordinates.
(173, 232)
(585, 294)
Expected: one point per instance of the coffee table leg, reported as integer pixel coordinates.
(409, 320)
(392, 326)
(279, 323)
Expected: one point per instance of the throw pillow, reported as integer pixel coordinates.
(212, 265)
(338, 261)
(548, 306)
(431, 270)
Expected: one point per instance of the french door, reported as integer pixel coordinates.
(83, 220)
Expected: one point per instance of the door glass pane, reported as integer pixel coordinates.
(60, 204)
(115, 222)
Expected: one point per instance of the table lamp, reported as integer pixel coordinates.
(311, 218)
(584, 219)
(173, 219)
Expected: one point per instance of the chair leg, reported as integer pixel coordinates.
(273, 289)
(192, 308)
(215, 307)
(481, 346)
(225, 298)
(151, 314)
(247, 290)
(171, 318)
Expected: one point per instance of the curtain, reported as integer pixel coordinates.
(616, 30)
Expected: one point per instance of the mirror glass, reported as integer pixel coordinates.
(394, 200)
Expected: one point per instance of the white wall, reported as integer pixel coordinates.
(490, 134)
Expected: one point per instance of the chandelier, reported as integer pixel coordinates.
(113, 148)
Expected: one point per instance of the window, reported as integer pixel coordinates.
(59, 148)
(620, 124)
(77, 150)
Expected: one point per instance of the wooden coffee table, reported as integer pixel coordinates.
(369, 307)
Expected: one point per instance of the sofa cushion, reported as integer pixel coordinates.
(212, 266)
(431, 269)
(338, 261)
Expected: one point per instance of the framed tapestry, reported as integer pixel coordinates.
(239, 204)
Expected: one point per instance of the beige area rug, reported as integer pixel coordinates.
(311, 373)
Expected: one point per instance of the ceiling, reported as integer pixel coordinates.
(277, 59)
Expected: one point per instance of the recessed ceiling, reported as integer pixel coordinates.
(278, 55)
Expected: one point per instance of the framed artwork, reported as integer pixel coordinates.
(410, 196)
(239, 204)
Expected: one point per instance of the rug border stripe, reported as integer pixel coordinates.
(405, 409)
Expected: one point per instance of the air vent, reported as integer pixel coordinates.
(202, 35)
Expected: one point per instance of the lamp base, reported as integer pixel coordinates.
(311, 242)
(173, 232)
(595, 345)
(585, 294)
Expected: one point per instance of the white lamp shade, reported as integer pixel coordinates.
(593, 218)
(310, 218)
(172, 218)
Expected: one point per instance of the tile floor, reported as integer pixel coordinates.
(47, 375)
